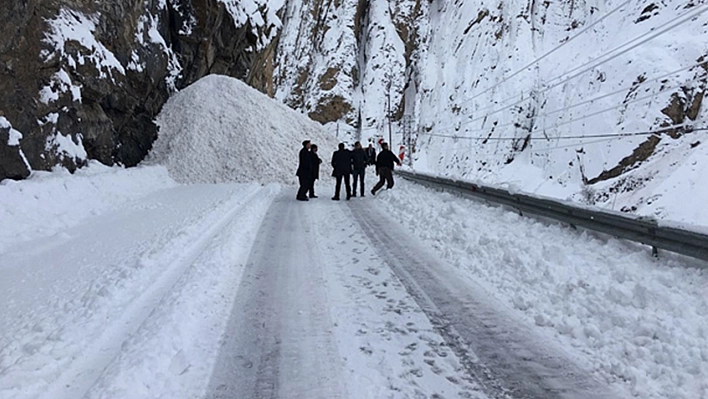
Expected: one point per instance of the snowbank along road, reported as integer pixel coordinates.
(238, 291)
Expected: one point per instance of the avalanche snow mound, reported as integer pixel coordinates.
(221, 130)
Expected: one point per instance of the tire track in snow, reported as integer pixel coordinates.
(85, 371)
(507, 359)
(279, 341)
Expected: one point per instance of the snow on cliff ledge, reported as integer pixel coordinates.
(221, 130)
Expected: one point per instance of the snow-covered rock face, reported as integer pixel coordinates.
(525, 94)
(85, 80)
(485, 110)
(341, 61)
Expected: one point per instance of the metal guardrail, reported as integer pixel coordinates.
(643, 230)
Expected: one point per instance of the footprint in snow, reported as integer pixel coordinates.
(366, 349)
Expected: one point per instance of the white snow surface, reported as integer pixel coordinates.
(117, 258)
(134, 300)
(47, 204)
(638, 322)
(221, 130)
(119, 283)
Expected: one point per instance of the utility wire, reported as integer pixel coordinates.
(533, 151)
(693, 12)
(466, 122)
(592, 100)
(607, 52)
(590, 136)
(698, 11)
(636, 100)
(623, 104)
(587, 28)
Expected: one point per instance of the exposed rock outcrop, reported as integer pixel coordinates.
(85, 80)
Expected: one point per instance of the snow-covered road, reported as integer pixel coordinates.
(238, 291)
(114, 294)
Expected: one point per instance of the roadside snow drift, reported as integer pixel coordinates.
(221, 130)
(49, 203)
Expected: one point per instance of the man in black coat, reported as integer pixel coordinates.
(370, 155)
(384, 168)
(342, 164)
(304, 171)
(359, 160)
(316, 161)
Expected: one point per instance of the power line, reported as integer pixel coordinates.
(699, 10)
(636, 100)
(694, 13)
(604, 54)
(591, 136)
(623, 104)
(532, 151)
(546, 149)
(629, 88)
(466, 122)
(520, 70)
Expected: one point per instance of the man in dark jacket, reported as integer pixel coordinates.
(358, 167)
(316, 161)
(370, 155)
(384, 168)
(342, 164)
(304, 171)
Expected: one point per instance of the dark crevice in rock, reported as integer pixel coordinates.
(639, 155)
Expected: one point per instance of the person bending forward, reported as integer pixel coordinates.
(384, 168)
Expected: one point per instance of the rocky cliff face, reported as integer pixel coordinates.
(344, 61)
(84, 80)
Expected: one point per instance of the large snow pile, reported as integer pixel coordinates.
(220, 130)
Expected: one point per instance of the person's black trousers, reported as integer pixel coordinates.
(385, 176)
(304, 186)
(347, 186)
(311, 191)
(358, 175)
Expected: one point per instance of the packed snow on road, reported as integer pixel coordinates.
(198, 275)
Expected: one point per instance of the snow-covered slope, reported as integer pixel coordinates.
(221, 130)
(555, 98)
(572, 125)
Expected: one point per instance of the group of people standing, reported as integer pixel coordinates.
(345, 163)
